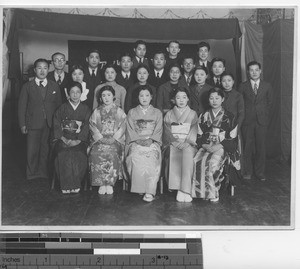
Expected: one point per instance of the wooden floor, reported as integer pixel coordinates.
(32, 202)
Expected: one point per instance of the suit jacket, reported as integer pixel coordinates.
(125, 83)
(156, 82)
(64, 84)
(32, 108)
(257, 107)
(209, 65)
(136, 63)
(91, 84)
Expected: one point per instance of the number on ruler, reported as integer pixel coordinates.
(98, 259)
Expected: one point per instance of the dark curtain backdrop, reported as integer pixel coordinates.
(278, 40)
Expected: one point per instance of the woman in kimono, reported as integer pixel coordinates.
(143, 141)
(180, 133)
(107, 126)
(217, 138)
(71, 129)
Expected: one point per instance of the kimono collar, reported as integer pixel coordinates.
(181, 116)
(144, 110)
(215, 119)
(74, 106)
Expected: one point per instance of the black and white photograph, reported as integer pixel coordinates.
(169, 118)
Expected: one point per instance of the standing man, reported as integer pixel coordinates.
(58, 75)
(257, 96)
(39, 98)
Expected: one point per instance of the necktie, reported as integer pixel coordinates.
(255, 88)
(126, 77)
(218, 82)
(203, 65)
(188, 80)
(157, 75)
(93, 74)
(59, 80)
(41, 83)
(140, 60)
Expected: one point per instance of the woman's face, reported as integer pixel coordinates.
(215, 100)
(142, 75)
(75, 94)
(145, 98)
(181, 99)
(110, 74)
(77, 75)
(107, 98)
(200, 76)
(227, 83)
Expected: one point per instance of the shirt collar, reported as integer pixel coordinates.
(255, 82)
(74, 106)
(44, 83)
(205, 63)
(62, 75)
(138, 59)
(91, 70)
(160, 72)
(124, 74)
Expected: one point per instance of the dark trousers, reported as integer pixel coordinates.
(254, 136)
(38, 152)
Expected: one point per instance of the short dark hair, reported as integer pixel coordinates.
(227, 74)
(174, 41)
(93, 51)
(141, 65)
(174, 65)
(74, 84)
(253, 63)
(200, 67)
(217, 90)
(40, 60)
(139, 42)
(159, 52)
(203, 44)
(104, 88)
(143, 88)
(180, 89)
(109, 66)
(187, 56)
(125, 54)
(218, 59)
(75, 67)
(57, 53)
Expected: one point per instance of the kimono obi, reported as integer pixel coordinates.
(145, 128)
(108, 127)
(70, 127)
(180, 130)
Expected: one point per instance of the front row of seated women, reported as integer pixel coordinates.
(194, 150)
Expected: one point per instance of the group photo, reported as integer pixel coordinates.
(148, 117)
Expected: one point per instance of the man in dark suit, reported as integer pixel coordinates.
(58, 75)
(126, 77)
(217, 69)
(140, 50)
(257, 96)
(158, 74)
(203, 53)
(188, 70)
(39, 98)
(92, 75)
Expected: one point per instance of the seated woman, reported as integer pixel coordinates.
(180, 133)
(107, 126)
(217, 137)
(71, 129)
(143, 141)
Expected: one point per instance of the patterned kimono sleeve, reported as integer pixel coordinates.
(200, 134)
(157, 132)
(57, 130)
(95, 117)
(84, 133)
(120, 133)
(231, 140)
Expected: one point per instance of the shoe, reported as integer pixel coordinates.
(148, 197)
(188, 198)
(247, 177)
(109, 189)
(214, 200)
(102, 190)
(180, 196)
(65, 191)
(75, 190)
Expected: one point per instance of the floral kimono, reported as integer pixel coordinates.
(71, 161)
(105, 160)
(180, 127)
(144, 163)
(208, 172)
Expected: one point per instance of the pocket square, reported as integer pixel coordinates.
(54, 92)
